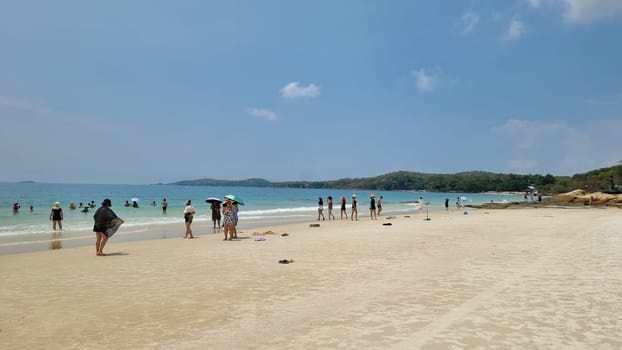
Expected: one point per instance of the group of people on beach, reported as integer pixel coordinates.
(104, 220)
(375, 208)
(228, 214)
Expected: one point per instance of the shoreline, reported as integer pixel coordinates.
(202, 227)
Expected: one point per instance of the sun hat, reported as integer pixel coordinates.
(353, 196)
(56, 204)
(373, 195)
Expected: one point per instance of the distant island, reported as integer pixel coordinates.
(604, 179)
(27, 182)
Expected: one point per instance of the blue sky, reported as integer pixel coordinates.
(160, 91)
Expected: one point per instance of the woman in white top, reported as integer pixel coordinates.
(188, 216)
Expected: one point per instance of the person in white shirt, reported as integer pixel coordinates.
(188, 215)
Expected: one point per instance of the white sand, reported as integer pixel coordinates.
(524, 279)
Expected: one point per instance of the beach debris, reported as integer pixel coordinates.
(260, 239)
(406, 216)
(263, 233)
(286, 261)
(284, 235)
(387, 224)
(314, 225)
(466, 212)
(390, 217)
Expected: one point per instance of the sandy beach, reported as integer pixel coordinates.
(493, 279)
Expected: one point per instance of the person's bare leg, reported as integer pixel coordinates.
(100, 243)
(98, 236)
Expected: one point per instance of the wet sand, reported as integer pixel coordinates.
(522, 278)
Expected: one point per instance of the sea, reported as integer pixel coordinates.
(30, 229)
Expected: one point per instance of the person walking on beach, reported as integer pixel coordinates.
(103, 218)
(343, 208)
(320, 209)
(188, 216)
(355, 212)
(215, 207)
(372, 207)
(330, 207)
(228, 220)
(164, 205)
(379, 205)
(56, 215)
(458, 203)
(420, 204)
(446, 204)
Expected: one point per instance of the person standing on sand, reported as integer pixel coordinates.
(320, 209)
(343, 208)
(372, 207)
(164, 205)
(103, 221)
(379, 204)
(355, 212)
(420, 204)
(215, 207)
(56, 215)
(236, 209)
(446, 204)
(330, 207)
(228, 220)
(188, 216)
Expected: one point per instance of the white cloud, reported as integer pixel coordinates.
(535, 3)
(426, 81)
(559, 147)
(584, 11)
(262, 113)
(467, 23)
(295, 90)
(515, 30)
(24, 105)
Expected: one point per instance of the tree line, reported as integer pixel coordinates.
(605, 179)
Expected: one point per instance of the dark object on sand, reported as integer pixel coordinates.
(286, 261)
(314, 225)
(284, 235)
(387, 224)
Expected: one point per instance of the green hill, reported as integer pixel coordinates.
(472, 182)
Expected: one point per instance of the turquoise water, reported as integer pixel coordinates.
(263, 206)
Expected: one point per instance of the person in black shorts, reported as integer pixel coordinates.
(343, 207)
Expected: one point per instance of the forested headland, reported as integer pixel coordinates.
(604, 179)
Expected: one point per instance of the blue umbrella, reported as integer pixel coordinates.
(235, 198)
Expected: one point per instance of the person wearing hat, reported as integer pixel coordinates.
(103, 218)
(56, 215)
(188, 216)
(372, 207)
(355, 212)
